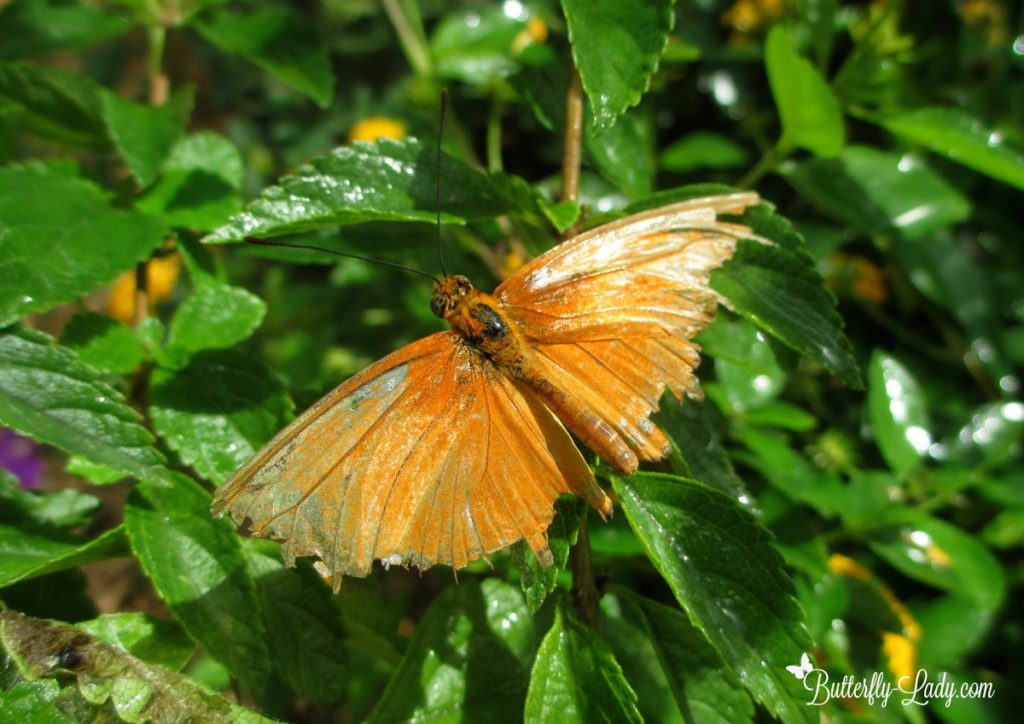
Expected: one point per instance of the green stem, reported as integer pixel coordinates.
(494, 162)
(768, 163)
(405, 19)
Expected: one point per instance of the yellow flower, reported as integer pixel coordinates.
(747, 16)
(161, 278)
(901, 653)
(374, 127)
(988, 16)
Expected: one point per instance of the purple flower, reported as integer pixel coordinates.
(22, 457)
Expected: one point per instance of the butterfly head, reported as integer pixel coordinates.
(448, 293)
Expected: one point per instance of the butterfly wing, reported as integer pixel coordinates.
(612, 312)
(431, 455)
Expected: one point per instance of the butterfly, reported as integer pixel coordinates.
(458, 444)
(803, 668)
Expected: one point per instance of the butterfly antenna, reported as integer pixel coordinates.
(437, 185)
(382, 262)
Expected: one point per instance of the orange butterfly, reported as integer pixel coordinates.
(457, 445)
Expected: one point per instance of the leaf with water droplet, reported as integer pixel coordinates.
(898, 414)
(723, 570)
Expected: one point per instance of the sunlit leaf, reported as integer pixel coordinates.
(724, 572)
(576, 678)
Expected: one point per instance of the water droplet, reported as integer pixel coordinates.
(1009, 383)
(995, 139)
(1013, 411)
(472, 20)
(1018, 45)
(920, 438)
(514, 9)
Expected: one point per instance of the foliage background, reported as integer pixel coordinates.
(889, 133)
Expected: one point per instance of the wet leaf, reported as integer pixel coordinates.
(899, 417)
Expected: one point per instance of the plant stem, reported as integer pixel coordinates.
(405, 20)
(584, 591)
(573, 143)
(768, 163)
(159, 86)
(494, 162)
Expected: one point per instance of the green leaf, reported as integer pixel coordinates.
(39, 27)
(899, 418)
(576, 678)
(658, 645)
(144, 135)
(477, 44)
(217, 411)
(280, 40)
(623, 155)
(197, 566)
(150, 639)
(880, 193)
(470, 654)
(103, 343)
(939, 554)
(67, 508)
(303, 623)
(791, 473)
(723, 570)
(25, 554)
(703, 149)
(36, 702)
(960, 137)
(370, 625)
(216, 316)
(701, 455)
(54, 252)
(780, 291)
(200, 183)
(47, 393)
(951, 626)
(387, 181)
(58, 105)
(616, 46)
(808, 109)
(745, 365)
(139, 691)
(992, 436)
(537, 580)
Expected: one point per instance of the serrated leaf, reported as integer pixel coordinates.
(537, 580)
(52, 253)
(279, 39)
(199, 185)
(303, 622)
(140, 692)
(150, 639)
(616, 46)
(896, 408)
(960, 137)
(938, 553)
(197, 566)
(879, 193)
(470, 653)
(777, 287)
(658, 645)
(216, 316)
(37, 27)
(47, 393)
(387, 181)
(575, 677)
(808, 108)
(58, 105)
(144, 134)
(103, 343)
(724, 572)
(26, 554)
(217, 410)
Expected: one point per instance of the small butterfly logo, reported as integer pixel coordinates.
(803, 668)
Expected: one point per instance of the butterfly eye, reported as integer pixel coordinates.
(439, 304)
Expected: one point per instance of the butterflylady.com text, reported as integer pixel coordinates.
(920, 690)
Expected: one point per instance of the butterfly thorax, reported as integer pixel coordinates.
(479, 319)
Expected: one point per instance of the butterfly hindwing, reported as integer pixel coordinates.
(429, 456)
